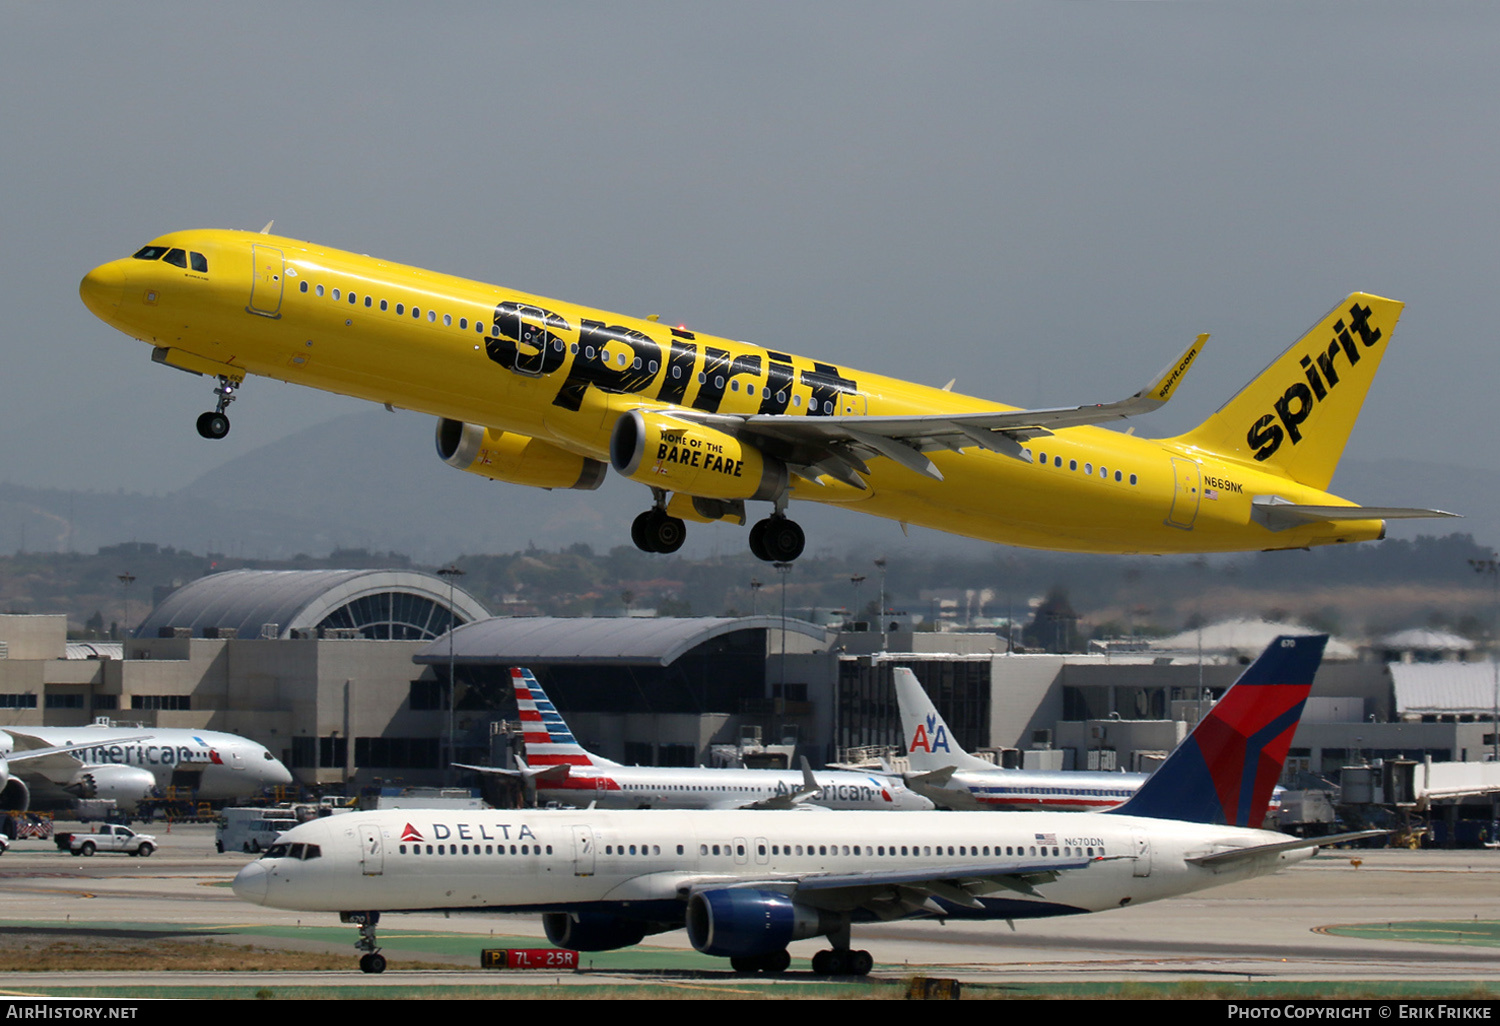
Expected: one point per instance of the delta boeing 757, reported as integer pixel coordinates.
(546, 393)
(746, 884)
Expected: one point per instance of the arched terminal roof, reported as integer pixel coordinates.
(625, 640)
(384, 604)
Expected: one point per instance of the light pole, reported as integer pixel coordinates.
(880, 563)
(1491, 567)
(450, 572)
(784, 569)
(755, 587)
(856, 580)
(126, 580)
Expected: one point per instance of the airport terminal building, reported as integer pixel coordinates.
(347, 677)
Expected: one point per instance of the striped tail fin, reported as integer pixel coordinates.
(1227, 768)
(549, 742)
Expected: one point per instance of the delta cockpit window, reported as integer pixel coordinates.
(175, 257)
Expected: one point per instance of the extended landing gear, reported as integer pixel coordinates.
(214, 424)
(372, 961)
(774, 963)
(842, 962)
(777, 539)
(656, 530)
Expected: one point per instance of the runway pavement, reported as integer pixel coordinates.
(1280, 928)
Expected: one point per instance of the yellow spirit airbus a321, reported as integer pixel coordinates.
(544, 393)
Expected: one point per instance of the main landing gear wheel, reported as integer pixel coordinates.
(775, 962)
(656, 531)
(777, 539)
(842, 962)
(374, 962)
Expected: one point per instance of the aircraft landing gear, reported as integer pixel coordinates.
(842, 962)
(372, 961)
(214, 424)
(777, 539)
(656, 530)
(774, 963)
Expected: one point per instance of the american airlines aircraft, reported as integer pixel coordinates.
(746, 884)
(558, 769)
(954, 779)
(129, 764)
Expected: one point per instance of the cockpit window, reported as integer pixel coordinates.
(301, 852)
(200, 262)
(176, 257)
(150, 252)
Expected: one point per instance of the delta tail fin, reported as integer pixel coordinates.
(549, 742)
(1296, 416)
(926, 738)
(1227, 768)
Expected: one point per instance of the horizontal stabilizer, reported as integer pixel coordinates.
(1227, 857)
(1277, 514)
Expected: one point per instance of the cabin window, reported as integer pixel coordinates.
(416, 312)
(302, 285)
(1072, 464)
(1117, 475)
(447, 320)
(318, 289)
(1088, 468)
(1132, 479)
(431, 316)
(463, 324)
(400, 308)
(353, 299)
(335, 295)
(383, 306)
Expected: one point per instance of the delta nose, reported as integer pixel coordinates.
(102, 289)
(250, 884)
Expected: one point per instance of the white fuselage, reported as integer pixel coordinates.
(219, 765)
(648, 861)
(662, 787)
(1030, 790)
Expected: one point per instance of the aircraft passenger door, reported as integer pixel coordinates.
(583, 851)
(371, 850)
(267, 273)
(1187, 494)
(531, 353)
(1141, 849)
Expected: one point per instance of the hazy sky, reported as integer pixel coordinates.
(1045, 201)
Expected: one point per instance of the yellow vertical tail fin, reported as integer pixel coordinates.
(1296, 415)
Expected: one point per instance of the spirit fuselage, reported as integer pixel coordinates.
(549, 370)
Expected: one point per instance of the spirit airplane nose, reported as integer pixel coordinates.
(102, 288)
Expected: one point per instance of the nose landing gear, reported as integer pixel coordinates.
(214, 424)
(372, 961)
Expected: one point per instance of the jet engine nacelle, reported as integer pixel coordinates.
(591, 931)
(692, 459)
(515, 459)
(14, 794)
(735, 922)
(127, 785)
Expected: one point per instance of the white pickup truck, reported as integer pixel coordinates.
(110, 837)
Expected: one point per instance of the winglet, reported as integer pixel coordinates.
(1165, 384)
